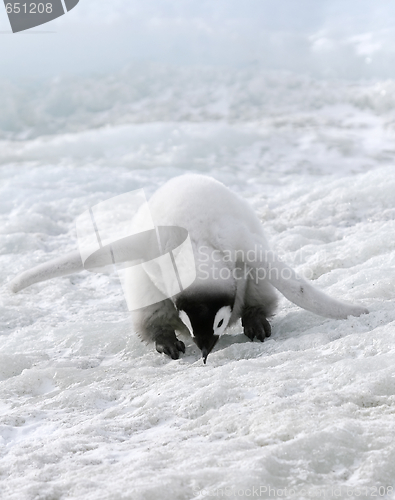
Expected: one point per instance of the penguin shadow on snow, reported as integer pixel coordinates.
(233, 346)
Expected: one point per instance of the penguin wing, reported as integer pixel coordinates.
(295, 288)
(68, 264)
(129, 250)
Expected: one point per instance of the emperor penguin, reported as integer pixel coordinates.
(236, 273)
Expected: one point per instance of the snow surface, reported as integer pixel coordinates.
(86, 409)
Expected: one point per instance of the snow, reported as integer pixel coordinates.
(87, 410)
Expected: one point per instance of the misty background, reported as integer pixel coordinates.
(108, 63)
(326, 38)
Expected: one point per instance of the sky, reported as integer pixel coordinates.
(327, 38)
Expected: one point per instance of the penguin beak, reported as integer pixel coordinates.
(207, 346)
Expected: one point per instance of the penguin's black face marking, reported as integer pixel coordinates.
(206, 345)
(209, 316)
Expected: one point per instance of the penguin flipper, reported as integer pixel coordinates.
(297, 289)
(129, 249)
(62, 266)
(304, 294)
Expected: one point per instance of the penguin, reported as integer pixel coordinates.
(236, 272)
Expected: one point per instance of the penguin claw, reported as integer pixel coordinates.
(180, 346)
(256, 326)
(170, 345)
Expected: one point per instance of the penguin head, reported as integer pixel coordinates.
(207, 317)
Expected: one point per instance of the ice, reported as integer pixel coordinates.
(87, 410)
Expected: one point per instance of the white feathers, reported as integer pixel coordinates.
(185, 319)
(221, 320)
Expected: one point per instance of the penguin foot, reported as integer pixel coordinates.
(255, 324)
(168, 343)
